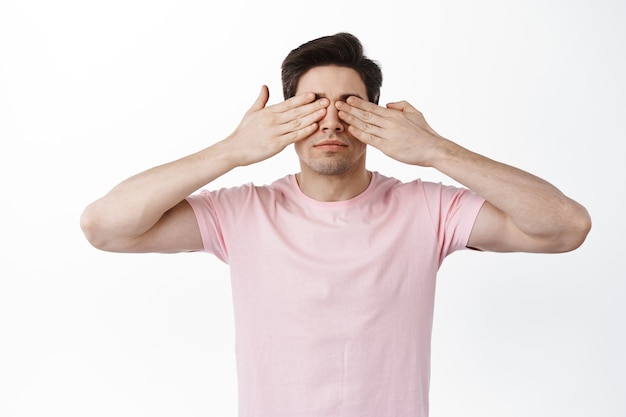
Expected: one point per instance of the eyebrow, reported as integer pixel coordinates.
(343, 97)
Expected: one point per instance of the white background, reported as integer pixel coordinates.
(93, 92)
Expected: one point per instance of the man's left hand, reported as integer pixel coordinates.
(399, 130)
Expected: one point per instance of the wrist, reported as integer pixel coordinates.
(225, 154)
(440, 153)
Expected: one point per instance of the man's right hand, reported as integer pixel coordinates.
(265, 131)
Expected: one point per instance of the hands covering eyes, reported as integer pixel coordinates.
(398, 130)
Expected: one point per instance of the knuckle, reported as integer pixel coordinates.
(291, 137)
(268, 118)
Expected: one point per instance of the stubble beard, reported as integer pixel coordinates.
(331, 165)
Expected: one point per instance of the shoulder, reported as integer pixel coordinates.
(242, 194)
(428, 193)
(410, 188)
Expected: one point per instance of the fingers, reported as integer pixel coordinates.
(288, 121)
(365, 120)
(301, 122)
(366, 108)
(293, 114)
(292, 136)
(293, 103)
(368, 121)
(299, 112)
(356, 109)
(293, 107)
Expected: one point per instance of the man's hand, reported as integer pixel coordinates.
(265, 131)
(400, 130)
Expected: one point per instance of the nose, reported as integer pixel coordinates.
(331, 121)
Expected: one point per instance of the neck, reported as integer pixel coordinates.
(329, 188)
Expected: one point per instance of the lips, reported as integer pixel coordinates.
(330, 143)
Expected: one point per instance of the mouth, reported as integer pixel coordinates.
(330, 145)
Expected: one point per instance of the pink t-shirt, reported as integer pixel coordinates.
(333, 301)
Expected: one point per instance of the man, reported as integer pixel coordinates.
(333, 268)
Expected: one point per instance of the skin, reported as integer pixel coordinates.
(523, 213)
(330, 125)
(329, 172)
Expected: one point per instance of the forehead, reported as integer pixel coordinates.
(333, 82)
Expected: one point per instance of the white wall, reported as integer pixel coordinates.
(93, 92)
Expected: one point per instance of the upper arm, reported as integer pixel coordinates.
(176, 231)
(495, 232)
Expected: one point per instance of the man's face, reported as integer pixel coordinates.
(331, 150)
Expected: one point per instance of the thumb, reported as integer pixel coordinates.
(261, 100)
(403, 106)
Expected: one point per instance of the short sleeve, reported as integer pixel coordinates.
(453, 211)
(204, 207)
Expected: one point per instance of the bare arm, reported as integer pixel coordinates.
(522, 212)
(148, 213)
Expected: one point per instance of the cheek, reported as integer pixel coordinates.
(358, 145)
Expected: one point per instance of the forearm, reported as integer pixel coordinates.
(134, 206)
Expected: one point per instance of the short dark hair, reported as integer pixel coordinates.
(342, 49)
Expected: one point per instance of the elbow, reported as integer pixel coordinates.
(576, 231)
(93, 227)
(105, 231)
